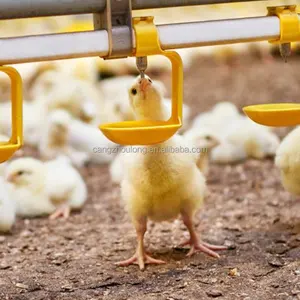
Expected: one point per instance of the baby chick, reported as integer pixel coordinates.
(3, 139)
(27, 187)
(257, 141)
(58, 90)
(90, 140)
(239, 136)
(33, 116)
(288, 161)
(203, 140)
(220, 116)
(116, 168)
(186, 114)
(227, 153)
(117, 106)
(7, 209)
(159, 185)
(45, 83)
(28, 72)
(39, 188)
(84, 68)
(65, 187)
(55, 139)
(80, 98)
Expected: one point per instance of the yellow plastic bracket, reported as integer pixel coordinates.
(280, 114)
(289, 23)
(7, 149)
(150, 132)
(275, 114)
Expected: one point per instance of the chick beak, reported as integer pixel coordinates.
(144, 84)
(11, 178)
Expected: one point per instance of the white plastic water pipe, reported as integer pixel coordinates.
(172, 36)
(13, 9)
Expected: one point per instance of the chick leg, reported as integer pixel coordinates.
(140, 257)
(196, 244)
(62, 211)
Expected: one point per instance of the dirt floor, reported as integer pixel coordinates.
(247, 209)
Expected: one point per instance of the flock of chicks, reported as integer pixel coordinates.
(61, 120)
(65, 103)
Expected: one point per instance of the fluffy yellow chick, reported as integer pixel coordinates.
(33, 116)
(227, 153)
(288, 161)
(79, 97)
(222, 114)
(81, 68)
(257, 141)
(91, 141)
(65, 186)
(117, 106)
(27, 187)
(160, 185)
(204, 141)
(7, 209)
(54, 141)
(45, 83)
(28, 71)
(39, 188)
(3, 139)
(116, 168)
(244, 139)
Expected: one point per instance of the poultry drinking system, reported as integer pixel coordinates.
(117, 34)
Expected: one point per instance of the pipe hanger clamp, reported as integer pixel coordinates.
(117, 20)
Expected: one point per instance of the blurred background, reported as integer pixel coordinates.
(66, 100)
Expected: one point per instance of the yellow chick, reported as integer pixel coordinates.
(257, 141)
(55, 139)
(43, 188)
(116, 168)
(203, 141)
(81, 68)
(91, 141)
(7, 209)
(33, 116)
(28, 71)
(79, 97)
(227, 153)
(117, 106)
(218, 117)
(26, 178)
(45, 83)
(160, 185)
(3, 139)
(65, 187)
(287, 161)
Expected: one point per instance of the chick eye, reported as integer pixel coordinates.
(207, 137)
(150, 80)
(20, 173)
(133, 91)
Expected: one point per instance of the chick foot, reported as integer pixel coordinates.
(203, 247)
(62, 211)
(141, 260)
(196, 243)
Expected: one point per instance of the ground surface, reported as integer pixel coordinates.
(246, 208)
